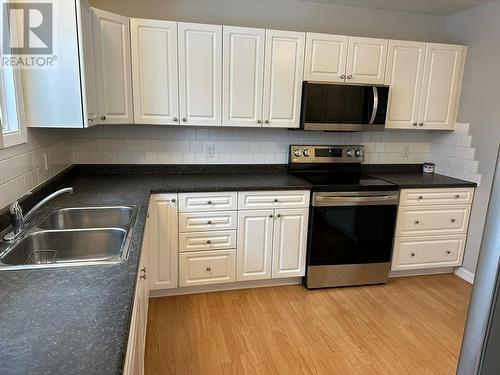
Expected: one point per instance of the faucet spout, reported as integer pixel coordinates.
(17, 216)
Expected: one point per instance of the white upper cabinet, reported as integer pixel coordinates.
(53, 95)
(283, 71)
(113, 68)
(89, 92)
(290, 242)
(325, 58)
(405, 71)
(154, 71)
(366, 60)
(243, 76)
(441, 87)
(200, 74)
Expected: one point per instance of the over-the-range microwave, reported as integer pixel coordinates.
(340, 107)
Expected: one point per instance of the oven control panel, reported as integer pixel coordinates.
(327, 154)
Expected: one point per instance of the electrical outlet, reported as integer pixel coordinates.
(210, 153)
(46, 161)
(406, 151)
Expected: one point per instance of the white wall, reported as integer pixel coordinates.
(23, 167)
(287, 15)
(479, 28)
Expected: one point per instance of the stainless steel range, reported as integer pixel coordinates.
(352, 219)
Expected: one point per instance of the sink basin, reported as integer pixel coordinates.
(88, 217)
(68, 246)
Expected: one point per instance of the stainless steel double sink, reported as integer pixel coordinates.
(72, 236)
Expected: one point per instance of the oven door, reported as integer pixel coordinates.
(352, 228)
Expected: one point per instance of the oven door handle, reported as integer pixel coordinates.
(374, 200)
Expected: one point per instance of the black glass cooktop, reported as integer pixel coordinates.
(331, 181)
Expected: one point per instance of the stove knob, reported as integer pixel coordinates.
(349, 153)
(297, 152)
(358, 153)
(307, 152)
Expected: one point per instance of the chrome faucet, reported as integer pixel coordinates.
(17, 216)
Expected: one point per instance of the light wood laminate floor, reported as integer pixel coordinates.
(408, 326)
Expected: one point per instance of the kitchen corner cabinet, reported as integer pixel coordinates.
(262, 77)
(200, 74)
(111, 34)
(134, 359)
(163, 241)
(154, 71)
(338, 58)
(431, 228)
(425, 80)
(64, 96)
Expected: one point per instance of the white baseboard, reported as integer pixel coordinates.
(464, 274)
(222, 287)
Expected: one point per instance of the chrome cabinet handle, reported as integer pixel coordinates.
(412, 254)
(420, 124)
(457, 196)
(448, 252)
(414, 123)
(208, 269)
(420, 197)
(175, 119)
(184, 119)
(209, 222)
(259, 121)
(209, 202)
(349, 76)
(173, 200)
(342, 76)
(452, 220)
(266, 122)
(375, 104)
(209, 242)
(279, 215)
(143, 273)
(103, 118)
(271, 216)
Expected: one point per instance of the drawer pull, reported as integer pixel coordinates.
(457, 196)
(209, 222)
(279, 215)
(209, 242)
(452, 220)
(208, 269)
(275, 200)
(209, 202)
(173, 200)
(420, 197)
(271, 216)
(417, 222)
(412, 254)
(448, 252)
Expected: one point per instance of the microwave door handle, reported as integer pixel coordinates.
(375, 105)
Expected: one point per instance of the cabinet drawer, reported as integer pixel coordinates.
(273, 199)
(207, 267)
(199, 241)
(192, 202)
(428, 252)
(207, 221)
(417, 221)
(436, 196)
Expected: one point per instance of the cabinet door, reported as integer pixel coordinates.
(325, 58)
(283, 78)
(89, 93)
(366, 60)
(113, 71)
(163, 241)
(154, 71)
(200, 73)
(290, 243)
(255, 244)
(441, 87)
(243, 76)
(405, 72)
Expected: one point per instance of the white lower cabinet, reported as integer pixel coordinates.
(272, 243)
(207, 267)
(163, 241)
(134, 359)
(431, 228)
(255, 244)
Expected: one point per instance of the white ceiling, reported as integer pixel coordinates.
(440, 7)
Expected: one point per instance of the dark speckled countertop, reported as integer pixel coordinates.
(76, 320)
